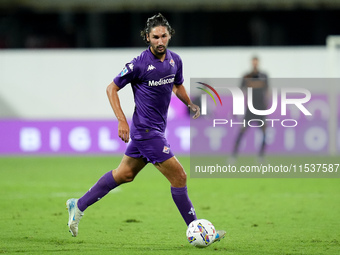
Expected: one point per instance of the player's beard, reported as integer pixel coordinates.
(159, 50)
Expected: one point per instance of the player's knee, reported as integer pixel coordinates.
(128, 177)
(124, 177)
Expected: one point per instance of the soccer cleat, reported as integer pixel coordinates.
(74, 215)
(219, 235)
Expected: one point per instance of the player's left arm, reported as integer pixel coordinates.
(181, 93)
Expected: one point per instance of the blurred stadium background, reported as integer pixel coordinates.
(57, 57)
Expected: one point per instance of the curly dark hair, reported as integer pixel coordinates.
(155, 21)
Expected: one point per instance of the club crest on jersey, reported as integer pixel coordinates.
(172, 62)
(166, 150)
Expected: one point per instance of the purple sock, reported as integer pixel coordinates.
(183, 203)
(99, 190)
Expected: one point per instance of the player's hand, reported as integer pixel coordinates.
(196, 109)
(124, 131)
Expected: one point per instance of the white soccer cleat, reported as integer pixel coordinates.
(74, 215)
(219, 235)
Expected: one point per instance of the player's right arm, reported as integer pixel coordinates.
(123, 126)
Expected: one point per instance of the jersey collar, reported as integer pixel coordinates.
(154, 58)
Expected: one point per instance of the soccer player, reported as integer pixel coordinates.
(258, 81)
(153, 75)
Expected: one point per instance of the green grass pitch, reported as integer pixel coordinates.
(261, 216)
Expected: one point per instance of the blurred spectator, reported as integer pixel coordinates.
(258, 81)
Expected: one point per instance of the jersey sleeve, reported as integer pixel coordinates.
(129, 73)
(179, 74)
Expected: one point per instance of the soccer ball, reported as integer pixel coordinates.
(201, 233)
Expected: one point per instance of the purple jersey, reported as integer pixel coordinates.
(152, 82)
